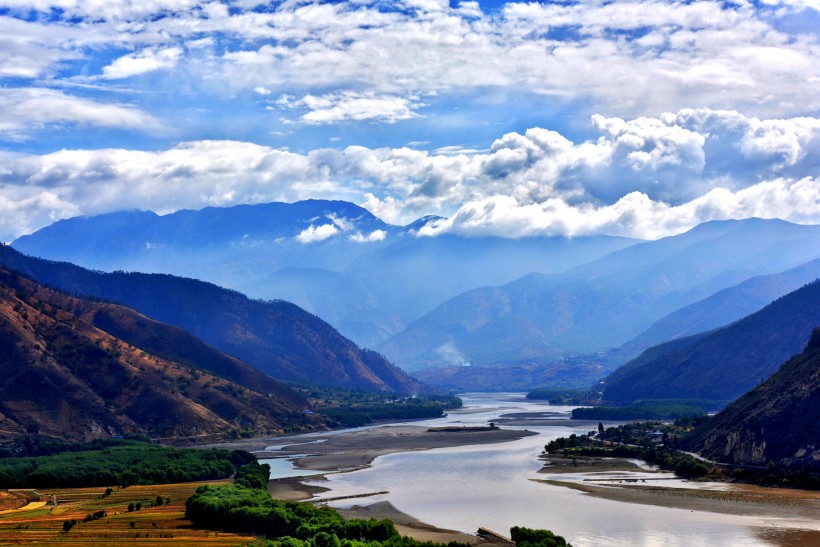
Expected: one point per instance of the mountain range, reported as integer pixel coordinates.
(383, 290)
(366, 277)
(601, 304)
(277, 338)
(725, 306)
(724, 363)
(564, 311)
(78, 369)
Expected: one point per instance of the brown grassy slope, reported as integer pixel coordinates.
(70, 378)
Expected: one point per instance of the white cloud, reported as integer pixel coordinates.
(30, 49)
(312, 233)
(25, 109)
(644, 177)
(388, 209)
(141, 62)
(634, 215)
(345, 106)
(796, 5)
(627, 58)
(786, 142)
(103, 9)
(375, 235)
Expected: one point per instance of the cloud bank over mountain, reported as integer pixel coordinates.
(646, 178)
(638, 118)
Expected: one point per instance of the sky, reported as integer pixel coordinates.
(515, 119)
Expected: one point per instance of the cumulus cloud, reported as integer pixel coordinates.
(24, 109)
(147, 60)
(312, 233)
(344, 106)
(634, 215)
(644, 177)
(785, 142)
(354, 62)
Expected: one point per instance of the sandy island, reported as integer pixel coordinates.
(355, 449)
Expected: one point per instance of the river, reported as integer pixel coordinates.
(466, 487)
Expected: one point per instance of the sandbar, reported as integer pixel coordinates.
(358, 448)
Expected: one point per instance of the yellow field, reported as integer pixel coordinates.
(30, 517)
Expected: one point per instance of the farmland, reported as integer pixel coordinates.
(29, 517)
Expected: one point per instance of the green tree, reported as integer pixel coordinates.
(527, 537)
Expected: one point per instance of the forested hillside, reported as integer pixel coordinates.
(777, 421)
(725, 363)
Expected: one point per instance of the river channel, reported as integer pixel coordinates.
(495, 486)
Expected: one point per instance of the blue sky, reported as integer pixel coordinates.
(510, 118)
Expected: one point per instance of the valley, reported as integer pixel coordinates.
(650, 330)
(442, 486)
(410, 273)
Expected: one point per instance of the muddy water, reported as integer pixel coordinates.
(492, 486)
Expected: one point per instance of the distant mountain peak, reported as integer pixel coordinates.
(732, 223)
(420, 223)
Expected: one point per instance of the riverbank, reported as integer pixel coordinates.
(741, 499)
(787, 516)
(294, 489)
(609, 478)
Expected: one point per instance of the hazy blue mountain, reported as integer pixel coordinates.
(343, 300)
(383, 290)
(779, 420)
(224, 245)
(576, 373)
(724, 363)
(368, 278)
(603, 303)
(725, 306)
(278, 338)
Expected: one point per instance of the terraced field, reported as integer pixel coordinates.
(31, 517)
